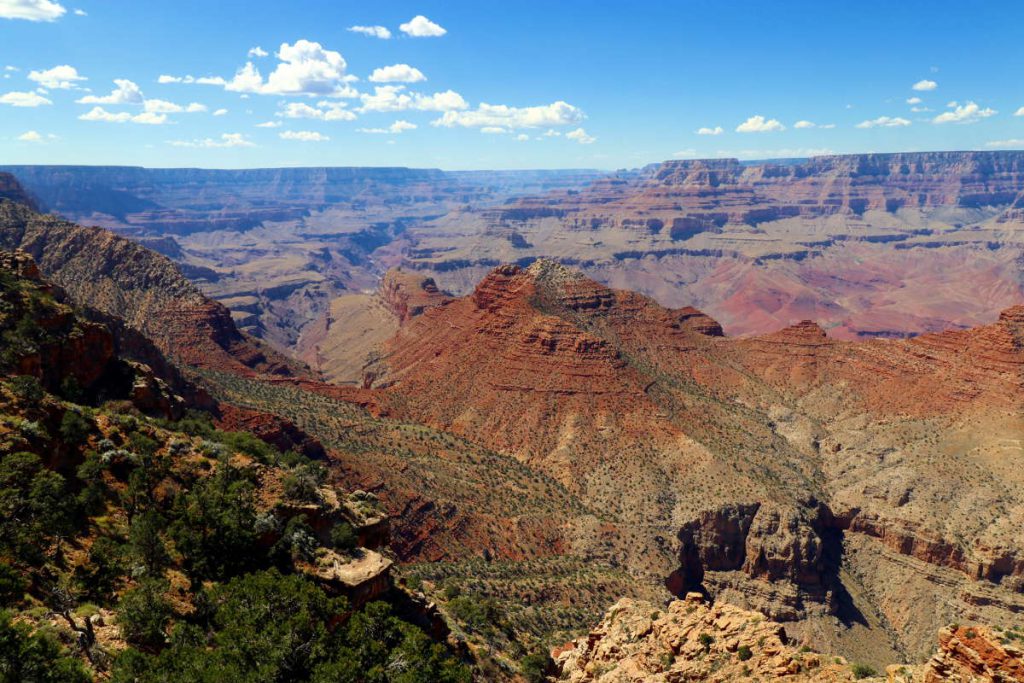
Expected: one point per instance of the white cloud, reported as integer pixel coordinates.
(149, 118)
(325, 110)
(305, 68)
(11, 68)
(884, 122)
(303, 136)
(421, 27)
(395, 128)
(220, 112)
(805, 124)
(153, 118)
(269, 124)
(162, 107)
(758, 124)
(195, 108)
(494, 130)
(81, 13)
(397, 73)
(551, 133)
(63, 77)
(827, 126)
(554, 114)
(579, 135)
(522, 137)
(914, 100)
(387, 98)
(30, 136)
(258, 52)
(373, 31)
(969, 112)
(225, 140)
(126, 92)
(1019, 112)
(925, 85)
(717, 130)
(24, 99)
(31, 10)
(1006, 144)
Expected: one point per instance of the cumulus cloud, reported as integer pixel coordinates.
(304, 136)
(372, 31)
(31, 10)
(759, 124)
(914, 100)
(195, 108)
(968, 112)
(554, 114)
(397, 73)
(30, 136)
(63, 77)
(387, 98)
(126, 92)
(258, 52)
(884, 122)
(804, 124)
(225, 140)
(717, 130)
(152, 118)
(925, 85)
(304, 68)
(421, 27)
(325, 110)
(395, 128)
(579, 135)
(522, 137)
(220, 112)
(1019, 112)
(24, 99)
(493, 130)
(269, 124)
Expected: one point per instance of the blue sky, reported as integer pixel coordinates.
(470, 85)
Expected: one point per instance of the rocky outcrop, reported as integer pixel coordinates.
(690, 640)
(11, 190)
(969, 654)
(409, 294)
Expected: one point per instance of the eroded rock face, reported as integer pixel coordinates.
(117, 277)
(690, 640)
(969, 654)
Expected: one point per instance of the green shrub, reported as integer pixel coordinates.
(35, 657)
(344, 537)
(534, 667)
(863, 671)
(744, 653)
(143, 614)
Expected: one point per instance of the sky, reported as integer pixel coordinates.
(459, 84)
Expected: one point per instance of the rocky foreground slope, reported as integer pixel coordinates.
(692, 640)
(867, 245)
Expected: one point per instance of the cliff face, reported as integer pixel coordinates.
(868, 245)
(120, 278)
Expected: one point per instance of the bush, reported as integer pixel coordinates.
(34, 506)
(12, 585)
(534, 667)
(26, 388)
(146, 542)
(99, 575)
(143, 614)
(863, 671)
(344, 537)
(706, 640)
(35, 657)
(74, 428)
(744, 653)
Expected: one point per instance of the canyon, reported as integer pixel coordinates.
(806, 402)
